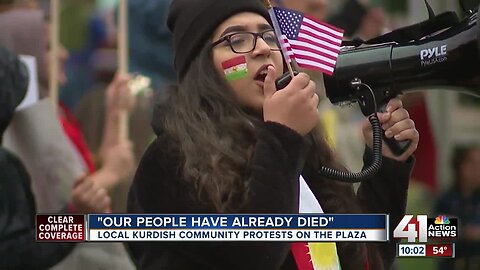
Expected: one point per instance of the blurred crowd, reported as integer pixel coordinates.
(93, 96)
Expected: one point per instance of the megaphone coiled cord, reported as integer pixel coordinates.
(353, 177)
(372, 169)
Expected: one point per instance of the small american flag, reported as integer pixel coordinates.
(312, 44)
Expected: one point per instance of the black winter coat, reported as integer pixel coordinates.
(277, 162)
(18, 247)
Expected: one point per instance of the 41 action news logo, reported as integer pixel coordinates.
(422, 228)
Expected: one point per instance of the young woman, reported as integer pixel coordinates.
(230, 143)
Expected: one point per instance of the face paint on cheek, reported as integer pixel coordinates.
(235, 68)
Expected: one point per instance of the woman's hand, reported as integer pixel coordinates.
(295, 106)
(397, 124)
(89, 197)
(118, 95)
(118, 100)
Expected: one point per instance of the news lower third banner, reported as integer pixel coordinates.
(213, 227)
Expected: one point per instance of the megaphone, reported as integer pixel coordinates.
(448, 58)
(442, 52)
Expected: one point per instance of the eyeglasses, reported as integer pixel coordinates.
(245, 42)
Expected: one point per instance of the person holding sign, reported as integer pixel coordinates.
(229, 142)
(18, 248)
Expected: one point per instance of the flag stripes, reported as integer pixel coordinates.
(311, 43)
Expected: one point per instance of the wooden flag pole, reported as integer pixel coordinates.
(278, 33)
(122, 32)
(54, 46)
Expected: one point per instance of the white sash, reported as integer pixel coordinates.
(308, 202)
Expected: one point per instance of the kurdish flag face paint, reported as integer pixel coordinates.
(235, 68)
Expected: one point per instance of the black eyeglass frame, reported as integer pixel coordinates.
(255, 35)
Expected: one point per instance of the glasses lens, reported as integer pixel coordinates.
(242, 42)
(271, 39)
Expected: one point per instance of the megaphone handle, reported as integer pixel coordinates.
(397, 147)
(284, 80)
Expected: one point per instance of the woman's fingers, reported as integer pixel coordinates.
(395, 117)
(394, 104)
(400, 126)
(413, 136)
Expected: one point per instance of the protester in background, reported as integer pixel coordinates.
(150, 55)
(463, 202)
(112, 167)
(18, 247)
(115, 158)
(24, 32)
(19, 30)
(231, 143)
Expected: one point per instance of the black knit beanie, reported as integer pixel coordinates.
(192, 23)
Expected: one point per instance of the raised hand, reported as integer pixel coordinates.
(89, 197)
(295, 106)
(397, 124)
(118, 96)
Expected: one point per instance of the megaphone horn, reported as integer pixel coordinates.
(447, 59)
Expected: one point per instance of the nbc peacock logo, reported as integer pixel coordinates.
(442, 220)
(442, 227)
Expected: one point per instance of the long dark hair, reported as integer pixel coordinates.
(213, 134)
(214, 137)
